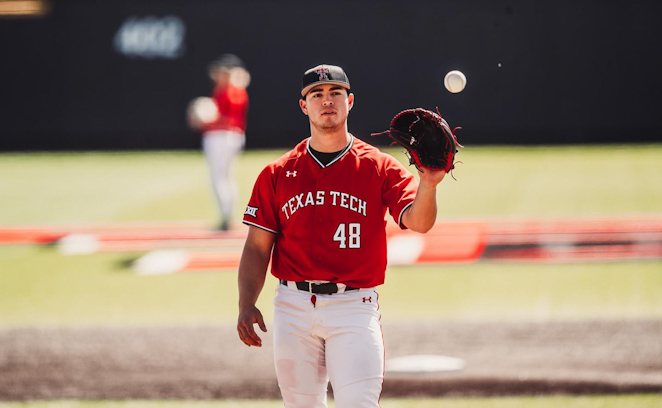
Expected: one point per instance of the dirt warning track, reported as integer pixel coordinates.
(590, 357)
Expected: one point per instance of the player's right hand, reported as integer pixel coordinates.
(248, 317)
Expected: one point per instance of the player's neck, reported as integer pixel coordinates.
(329, 142)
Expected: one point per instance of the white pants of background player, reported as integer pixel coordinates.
(337, 339)
(221, 148)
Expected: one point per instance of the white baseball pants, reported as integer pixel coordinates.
(338, 338)
(221, 148)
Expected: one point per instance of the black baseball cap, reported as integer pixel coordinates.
(323, 74)
(228, 61)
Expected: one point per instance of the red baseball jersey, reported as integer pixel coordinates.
(232, 105)
(330, 220)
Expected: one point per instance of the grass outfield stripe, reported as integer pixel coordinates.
(198, 230)
(577, 225)
(164, 262)
(44, 234)
(26, 235)
(78, 246)
(524, 240)
(596, 253)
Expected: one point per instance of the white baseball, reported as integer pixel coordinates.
(455, 81)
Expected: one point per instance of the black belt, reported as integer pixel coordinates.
(322, 288)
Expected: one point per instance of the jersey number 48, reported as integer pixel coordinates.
(348, 232)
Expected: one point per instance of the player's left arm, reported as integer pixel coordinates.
(422, 214)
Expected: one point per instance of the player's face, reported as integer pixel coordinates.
(327, 106)
(221, 77)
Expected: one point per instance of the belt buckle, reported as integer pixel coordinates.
(310, 286)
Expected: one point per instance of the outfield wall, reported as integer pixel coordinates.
(102, 74)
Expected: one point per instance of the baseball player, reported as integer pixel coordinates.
(318, 214)
(224, 139)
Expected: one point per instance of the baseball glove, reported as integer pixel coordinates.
(429, 141)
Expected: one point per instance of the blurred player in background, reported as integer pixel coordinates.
(223, 126)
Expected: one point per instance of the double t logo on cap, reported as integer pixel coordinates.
(323, 74)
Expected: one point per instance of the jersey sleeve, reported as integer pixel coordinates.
(399, 189)
(261, 211)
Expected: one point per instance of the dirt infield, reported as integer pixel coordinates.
(209, 362)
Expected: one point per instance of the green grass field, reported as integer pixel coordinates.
(492, 181)
(39, 287)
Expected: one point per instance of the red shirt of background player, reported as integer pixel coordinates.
(232, 105)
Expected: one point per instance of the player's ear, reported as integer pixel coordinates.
(302, 105)
(350, 100)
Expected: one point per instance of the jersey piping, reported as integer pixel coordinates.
(260, 226)
(402, 213)
(340, 155)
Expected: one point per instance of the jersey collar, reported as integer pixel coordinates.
(340, 155)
